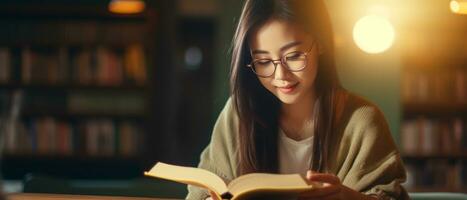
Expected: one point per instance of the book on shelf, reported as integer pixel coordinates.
(244, 187)
(460, 84)
(82, 66)
(424, 136)
(100, 138)
(434, 86)
(42, 64)
(5, 65)
(85, 65)
(26, 65)
(128, 139)
(436, 174)
(463, 176)
(135, 64)
(109, 67)
(93, 137)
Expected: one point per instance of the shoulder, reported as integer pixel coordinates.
(362, 110)
(363, 117)
(226, 126)
(228, 116)
(219, 156)
(366, 133)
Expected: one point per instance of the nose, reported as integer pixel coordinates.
(281, 72)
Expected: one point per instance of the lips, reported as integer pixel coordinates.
(288, 88)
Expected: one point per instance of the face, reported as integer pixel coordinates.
(275, 39)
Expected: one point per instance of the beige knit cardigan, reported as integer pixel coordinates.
(365, 159)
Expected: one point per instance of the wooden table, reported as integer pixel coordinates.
(33, 196)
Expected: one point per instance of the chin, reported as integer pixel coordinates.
(287, 99)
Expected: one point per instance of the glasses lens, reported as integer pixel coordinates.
(295, 60)
(263, 67)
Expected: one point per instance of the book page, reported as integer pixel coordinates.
(189, 175)
(268, 183)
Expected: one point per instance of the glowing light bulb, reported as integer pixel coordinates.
(126, 6)
(373, 34)
(458, 6)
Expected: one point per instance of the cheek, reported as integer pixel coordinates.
(266, 82)
(308, 76)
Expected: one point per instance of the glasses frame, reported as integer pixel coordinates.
(282, 62)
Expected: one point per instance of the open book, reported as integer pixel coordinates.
(243, 187)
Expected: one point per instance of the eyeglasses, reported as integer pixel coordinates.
(294, 61)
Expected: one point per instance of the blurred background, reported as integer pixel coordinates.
(94, 92)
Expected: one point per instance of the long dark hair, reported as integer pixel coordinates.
(258, 109)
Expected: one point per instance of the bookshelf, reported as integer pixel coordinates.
(433, 128)
(81, 75)
(433, 98)
(433, 136)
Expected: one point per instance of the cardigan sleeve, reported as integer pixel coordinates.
(374, 163)
(219, 155)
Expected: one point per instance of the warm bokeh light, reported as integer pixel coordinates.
(458, 6)
(454, 6)
(373, 34)
(126, 6)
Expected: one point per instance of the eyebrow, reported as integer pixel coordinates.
(283, 48)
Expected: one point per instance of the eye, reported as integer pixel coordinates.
(294, 56)
(262, 62)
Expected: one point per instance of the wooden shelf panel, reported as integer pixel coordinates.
(72, 87)
(65, 10)
(436, 189)
(452, 156)
(68, 115)
(18, 166)
(434, 109)
(75, 157)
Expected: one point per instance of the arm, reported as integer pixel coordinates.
(332, 189)
(374, 164)
(368, 164)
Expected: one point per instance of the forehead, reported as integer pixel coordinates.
(275, 33)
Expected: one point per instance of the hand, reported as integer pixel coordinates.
(332, 188)
(213, 196)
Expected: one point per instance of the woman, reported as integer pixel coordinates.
(288, 113)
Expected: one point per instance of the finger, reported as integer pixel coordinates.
(326, 178)
(320, 192)
(310, 182)
(213, 195)
(308, 174)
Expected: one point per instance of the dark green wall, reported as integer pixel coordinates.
(227, 19)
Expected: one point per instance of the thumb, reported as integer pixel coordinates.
(213, 195)
(310, 180)
(309, 174)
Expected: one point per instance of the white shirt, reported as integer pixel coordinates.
(294, 156)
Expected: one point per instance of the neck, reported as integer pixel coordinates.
(299, 111)
(294, 117)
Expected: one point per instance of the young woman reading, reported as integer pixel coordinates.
(288, 112)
